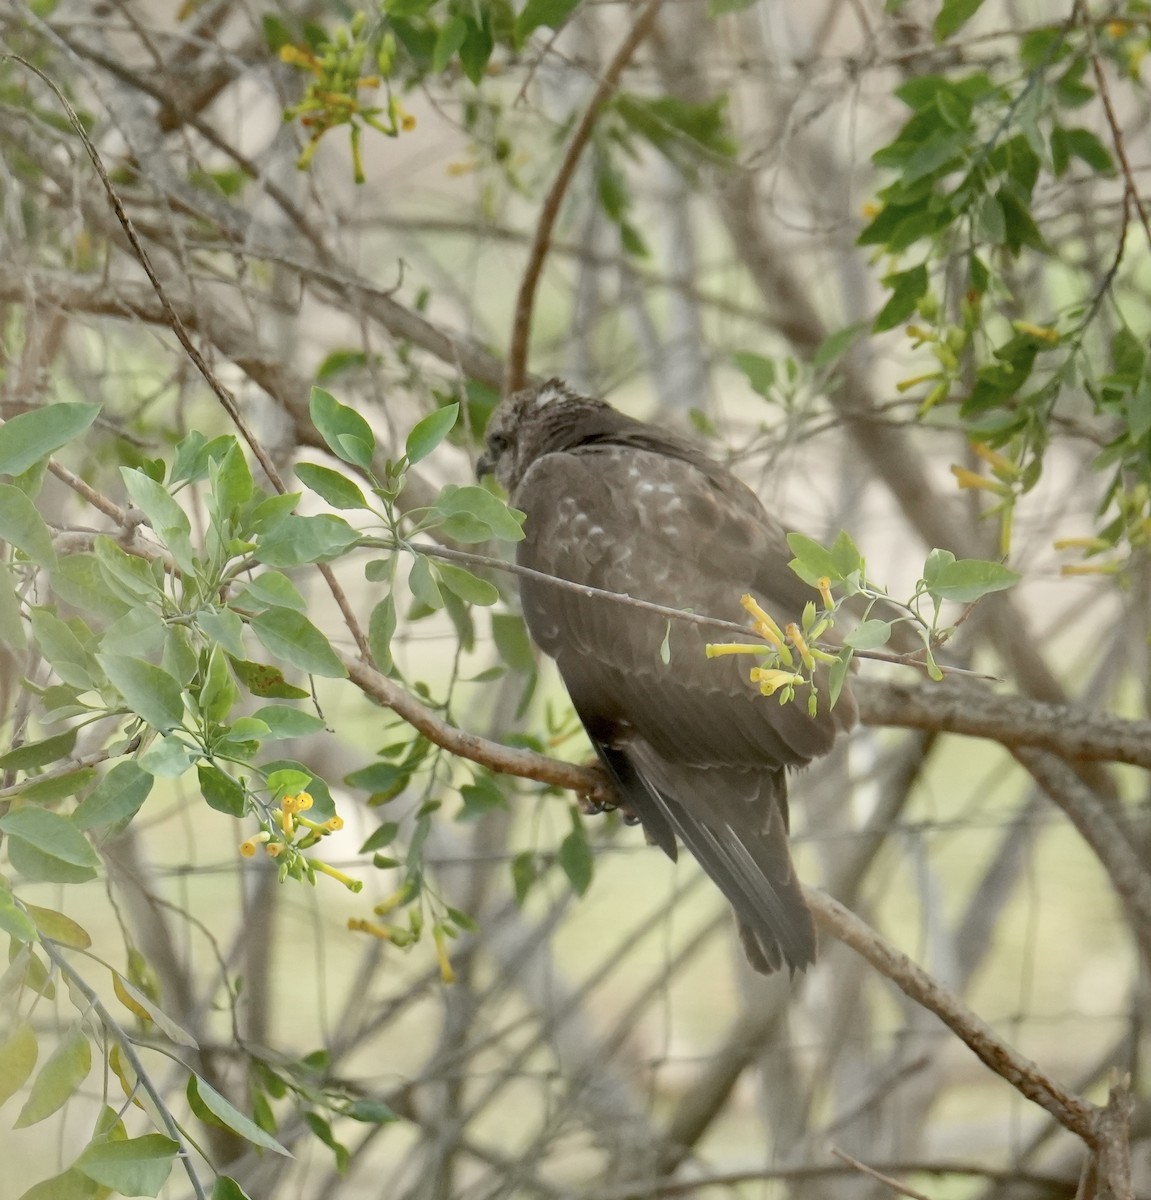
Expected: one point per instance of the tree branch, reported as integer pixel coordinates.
(549, 209)
(1071, 1111)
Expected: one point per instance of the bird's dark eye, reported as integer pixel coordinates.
(498, 443)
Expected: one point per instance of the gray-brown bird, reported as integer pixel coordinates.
(693, 748)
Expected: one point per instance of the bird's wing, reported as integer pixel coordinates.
(692, 745)
(657, 528)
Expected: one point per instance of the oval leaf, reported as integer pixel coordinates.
(347, 434)
(134, 1167)
(226, 1112)
(59, 928)
(67, 1067)
(24, 527)
(115, 799)
(31, 436)
(292, 637)
(18, 1055)
(427, 434)
(149, 691)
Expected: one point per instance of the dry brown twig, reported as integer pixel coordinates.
(549, 211)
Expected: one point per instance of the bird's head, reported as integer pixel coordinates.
(520, 427)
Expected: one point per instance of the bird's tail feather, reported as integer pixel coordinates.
(746, 857)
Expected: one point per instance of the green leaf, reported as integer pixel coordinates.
(1085, 145)
(148, 690)
(427, 434)
(47, 846)
(473, 514)
(224, 628)
(512, 641)
(346, 433)
(372, 1112)
(760, 371)
(14, 920)
(129, 578)
(834, 345)
(68, 1185)
(381, 627)
(552, 13)
(59, 928)
(166, 758)
(423, 584)
(869, 635)
(232, 484)
(290, 636)
(266, 681)
(449, 39)
(226, 1112)
(525, 872)
(39, 754)
(136, 1000)
(383, 836)
(575, 857)
(470, 588)
(168, 520)
(338, 490)
(286, 722)
(672, 125)
(384, 781)
(480, 797)
(63, 1072)
(136, 1167)
(28, 437)
(61, 646)
(968, 579)
(813, 561)
(906, 289)
(476, 50)
(221, 791)
(297, 540)
(23, 527)
(954, 15)
(226, 1188)
(837, 676)
(273, 587)
(12, 632)
(18, 1054)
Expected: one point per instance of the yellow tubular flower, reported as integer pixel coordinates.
(971, 479)
(357, 925)
(248, 848)
(715, 649)
(823, 583)
(800, 643)
(771, 680)
(353, 885)
(446, 972)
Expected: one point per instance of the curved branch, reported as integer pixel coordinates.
(1071, 1111)
(505, 759)
(549, 210)
(976, 711)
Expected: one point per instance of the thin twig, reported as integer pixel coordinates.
(662, 610)
(863, 1168)
(1131, 188)
(127, 1046)
(549, 211)
(225, 397)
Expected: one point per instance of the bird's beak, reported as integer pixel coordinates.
(484, 466)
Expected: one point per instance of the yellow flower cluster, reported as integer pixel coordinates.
(292, 832)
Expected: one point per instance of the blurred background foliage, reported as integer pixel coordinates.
(889, 261)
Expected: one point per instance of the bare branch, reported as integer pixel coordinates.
(549, 209)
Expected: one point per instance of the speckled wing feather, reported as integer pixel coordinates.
(692, 746)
